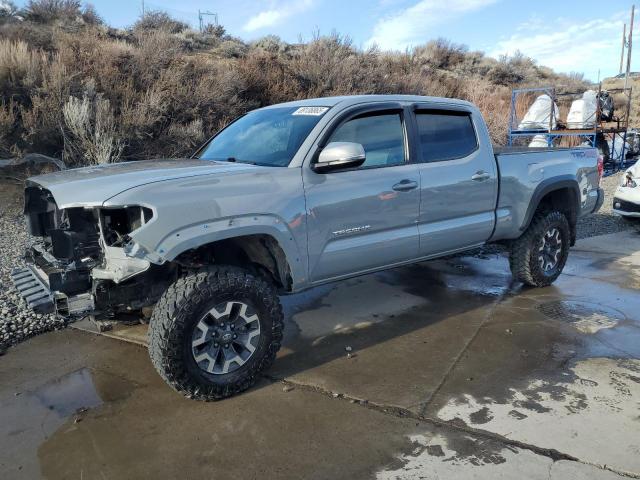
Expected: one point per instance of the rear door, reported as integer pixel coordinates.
(459, 182)
(365, 218)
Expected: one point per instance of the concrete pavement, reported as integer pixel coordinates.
(438, 370)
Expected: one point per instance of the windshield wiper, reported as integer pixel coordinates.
(235, 160)
(230, 160)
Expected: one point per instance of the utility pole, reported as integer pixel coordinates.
(629, 46)
(624, 43)
(143, 8)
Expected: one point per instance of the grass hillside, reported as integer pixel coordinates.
(75, 88)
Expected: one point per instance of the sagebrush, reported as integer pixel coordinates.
(72, 87)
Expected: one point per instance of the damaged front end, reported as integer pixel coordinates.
(78, 262)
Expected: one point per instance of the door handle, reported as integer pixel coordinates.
(405, 185)
(480, 176)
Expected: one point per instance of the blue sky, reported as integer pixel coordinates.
(574, 35)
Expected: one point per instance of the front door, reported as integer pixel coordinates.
(365, 218)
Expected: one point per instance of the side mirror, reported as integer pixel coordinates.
(339, 155)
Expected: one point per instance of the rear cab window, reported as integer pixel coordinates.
(445, 135)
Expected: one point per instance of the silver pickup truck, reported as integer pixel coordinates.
(285, 198)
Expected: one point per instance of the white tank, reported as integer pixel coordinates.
(539, 141)
(582, 114)
(537, 117)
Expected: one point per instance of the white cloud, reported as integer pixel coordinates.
(569, 45)
(410, 26)
(276, 14)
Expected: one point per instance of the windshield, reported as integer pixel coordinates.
(268, 137)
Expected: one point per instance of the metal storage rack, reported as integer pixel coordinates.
(615, 128)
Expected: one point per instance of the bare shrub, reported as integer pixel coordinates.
(505, 72)
(214, 30)
(156, 50)
(28, 32)
(90, 15)
(186, 137)
(7, 125)
(141, 115)
(91, 134)
(20, 67)
(231, 48)
(442, 53)
(333, 66)
(193, 40)
(41, 116)
(494, 103)
(271, 44)
(48, 11)
(158, 20)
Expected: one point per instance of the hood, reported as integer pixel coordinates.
(92, 186)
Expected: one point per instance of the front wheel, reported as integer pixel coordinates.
(539, 255)
(214, 331)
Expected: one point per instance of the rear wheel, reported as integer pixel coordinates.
(539, 255)
(214, 331)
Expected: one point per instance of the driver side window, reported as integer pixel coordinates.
(381, 135)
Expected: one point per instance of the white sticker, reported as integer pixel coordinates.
(316, 111)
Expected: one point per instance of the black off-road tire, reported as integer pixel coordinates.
(180, 309)
(523, 257)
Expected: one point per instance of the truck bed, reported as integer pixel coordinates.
(527, 173)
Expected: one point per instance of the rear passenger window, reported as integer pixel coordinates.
(445, 135)
(381, 136)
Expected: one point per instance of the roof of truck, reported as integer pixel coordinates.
(347, 100)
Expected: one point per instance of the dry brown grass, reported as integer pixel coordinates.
(74, 88)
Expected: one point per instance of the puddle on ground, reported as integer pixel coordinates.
(80, 391)
(30, 418)
(69, 394)
(584, 316)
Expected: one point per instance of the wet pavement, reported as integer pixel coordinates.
(438, 370)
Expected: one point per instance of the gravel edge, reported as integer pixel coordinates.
(17, 321)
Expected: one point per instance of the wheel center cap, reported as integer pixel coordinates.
(227, 337)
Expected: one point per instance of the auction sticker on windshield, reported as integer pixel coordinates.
(316, 111)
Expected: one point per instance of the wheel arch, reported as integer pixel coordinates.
(261, 238)
(561, 194)
(259, 252)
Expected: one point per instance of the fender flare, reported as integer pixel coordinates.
(196, 235)
(544, 188)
